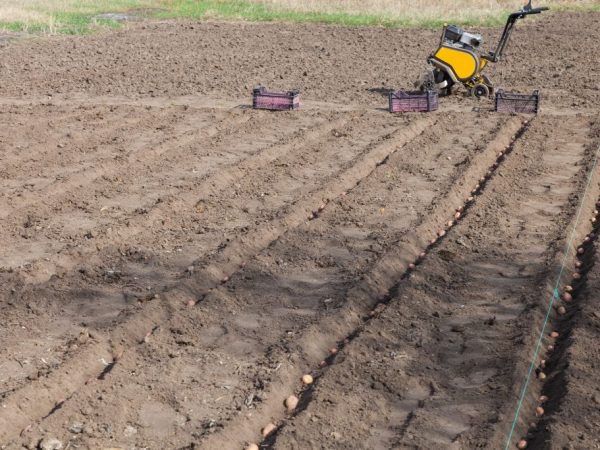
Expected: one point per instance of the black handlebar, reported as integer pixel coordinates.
(526, 12)
(512, 19)
(537, 10)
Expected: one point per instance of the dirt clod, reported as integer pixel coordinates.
(76, 427)
(50, 443)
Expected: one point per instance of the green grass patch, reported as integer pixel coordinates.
(78, 23)
(594, 7)
(261, 12)
(81, 16)
(65, 23)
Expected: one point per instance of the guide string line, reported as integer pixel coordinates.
(555, 296)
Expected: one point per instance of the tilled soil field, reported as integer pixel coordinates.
(173, 262)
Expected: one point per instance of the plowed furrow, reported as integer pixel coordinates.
(304, 301)
(44, 396)
(303, 141)
(375, 285)
(47, 141)
(573, 376)
(122, 154)
(565, 355)
(132, 327)
(450, 330)
(115, 206)
(132, 330)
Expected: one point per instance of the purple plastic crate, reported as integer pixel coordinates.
(416, 101)
(263, 99)
(507, 102)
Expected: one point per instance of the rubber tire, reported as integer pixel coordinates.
(439, 76)
(481, 90)
(489, 84)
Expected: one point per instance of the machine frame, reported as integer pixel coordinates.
(456, 62)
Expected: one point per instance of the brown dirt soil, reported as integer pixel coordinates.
(573, 408)
(173, 262)
(571, 416)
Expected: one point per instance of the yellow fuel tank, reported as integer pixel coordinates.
(463, 63)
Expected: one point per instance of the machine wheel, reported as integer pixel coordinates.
(480, 90)
(426, 81)
(449, 90)
(434, 80)
(488, 83)
(443, 83)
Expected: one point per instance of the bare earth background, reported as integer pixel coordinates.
(162, 285)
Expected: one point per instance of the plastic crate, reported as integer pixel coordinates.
(402, 101)
(508, 102)
(277, 101)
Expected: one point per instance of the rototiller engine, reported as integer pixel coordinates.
(458, 61)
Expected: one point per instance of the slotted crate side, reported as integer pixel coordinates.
(508, 102)
(402, 101)
(263, 99)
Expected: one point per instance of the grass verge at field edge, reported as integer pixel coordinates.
(75, 20)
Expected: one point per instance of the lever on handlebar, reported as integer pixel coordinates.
(529, 9)
(526, 12)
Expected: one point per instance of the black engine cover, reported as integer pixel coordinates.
(453, 33)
